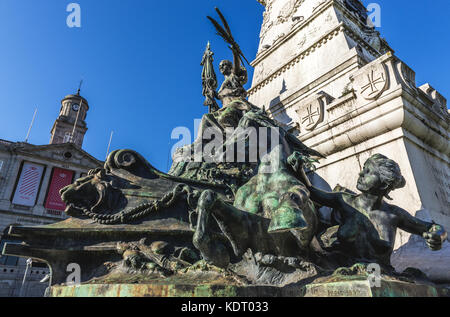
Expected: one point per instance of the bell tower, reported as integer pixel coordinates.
(70, 126)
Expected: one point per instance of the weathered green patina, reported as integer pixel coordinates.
(241, 219)
(343, 288)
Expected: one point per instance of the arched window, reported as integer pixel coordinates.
(67, 137)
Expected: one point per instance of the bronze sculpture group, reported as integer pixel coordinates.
(258, 219)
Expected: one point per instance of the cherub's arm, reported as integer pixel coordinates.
(408, 223)
(433, 234)
(333, 200)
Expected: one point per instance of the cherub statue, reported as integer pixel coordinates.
(367, 224)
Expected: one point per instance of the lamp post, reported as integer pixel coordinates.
(22, 288)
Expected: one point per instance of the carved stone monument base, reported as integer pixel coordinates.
(204, 280)
(350, 287)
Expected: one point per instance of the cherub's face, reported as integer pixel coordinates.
(369, 179)
(225, 68)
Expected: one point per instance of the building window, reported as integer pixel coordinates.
(67, 155)
(67, 137)
(1, 165)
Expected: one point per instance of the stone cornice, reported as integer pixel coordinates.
(341, 27)
(436, 120)
(27, 214)
(401, 115)
(344, 118)
(285, 103)
(58, 163)
(32, 151)
(323, 40)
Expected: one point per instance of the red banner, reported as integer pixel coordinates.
(60, 179)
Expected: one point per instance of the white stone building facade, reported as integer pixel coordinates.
(61, 156)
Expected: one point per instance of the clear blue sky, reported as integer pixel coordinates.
(140, 62)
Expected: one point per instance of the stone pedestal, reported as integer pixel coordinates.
(352, 288)
(362, 288)
(323, 72)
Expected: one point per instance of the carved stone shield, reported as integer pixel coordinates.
(372, 83)
(311, 112)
